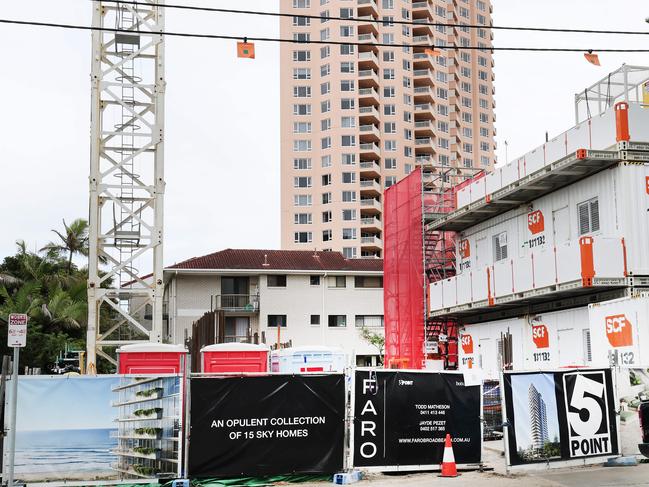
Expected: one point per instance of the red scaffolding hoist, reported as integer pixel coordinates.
(439, 187)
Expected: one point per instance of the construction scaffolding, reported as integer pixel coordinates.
(126, 177)
(438, 190)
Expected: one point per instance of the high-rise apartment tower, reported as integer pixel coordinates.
(357, 118)
(538, 418)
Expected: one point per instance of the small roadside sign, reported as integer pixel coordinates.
(17, 330)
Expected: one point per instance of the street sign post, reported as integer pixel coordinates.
(16, 338)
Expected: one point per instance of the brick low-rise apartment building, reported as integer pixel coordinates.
(315, 298)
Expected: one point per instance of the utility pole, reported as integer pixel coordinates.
(126, 177)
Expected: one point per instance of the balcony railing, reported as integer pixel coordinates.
(423, 141)
(423, 39)
(424, 107)
(366, 38)
(370, 222)
(373, 240)
(236, 302)
(423, 72)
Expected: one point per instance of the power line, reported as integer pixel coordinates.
(378, 21)
(299, 42)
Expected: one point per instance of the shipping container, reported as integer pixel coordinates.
(151, 358)
(596, 133)
(308, 359)
(620, 327)
(235, 357)
(538, 342)
(597, 226)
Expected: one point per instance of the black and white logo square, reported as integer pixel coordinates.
(587, 405)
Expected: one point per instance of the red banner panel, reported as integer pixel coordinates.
(403, 274)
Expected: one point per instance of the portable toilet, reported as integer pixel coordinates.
(314, 359)
(234, 357)
(151, 358)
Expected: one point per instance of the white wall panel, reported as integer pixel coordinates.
(502, 279)
(449, 287)
(463, 288)
(544, 268)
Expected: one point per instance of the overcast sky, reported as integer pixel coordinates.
(222, 137)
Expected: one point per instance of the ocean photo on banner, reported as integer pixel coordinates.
(65, 428)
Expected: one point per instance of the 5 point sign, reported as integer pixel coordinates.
(17, 330)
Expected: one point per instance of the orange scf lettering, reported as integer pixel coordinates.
(464, 248)
(540, 336)
(619, 331)
(535, 222)
(467, 343)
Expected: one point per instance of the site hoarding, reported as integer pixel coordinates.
(82, 428)
(266, 425)
(402, 417)
(559, 415)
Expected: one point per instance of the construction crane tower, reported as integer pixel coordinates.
(126, 177)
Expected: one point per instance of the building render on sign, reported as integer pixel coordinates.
(314, 298)
(357, 118)
(538, 418)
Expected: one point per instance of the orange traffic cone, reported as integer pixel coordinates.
(449, 469)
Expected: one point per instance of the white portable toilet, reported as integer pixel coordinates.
(308, 359)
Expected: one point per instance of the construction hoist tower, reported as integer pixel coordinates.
(126, 177)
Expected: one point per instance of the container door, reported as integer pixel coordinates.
(487, 358)
(561, 225)
(569, 349)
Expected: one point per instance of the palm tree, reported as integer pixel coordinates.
(61, 311)
(74, 240)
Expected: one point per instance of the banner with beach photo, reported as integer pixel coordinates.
(97, 428)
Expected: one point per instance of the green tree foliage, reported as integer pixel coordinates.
(51, 290)
(73, 240)
(375, 339)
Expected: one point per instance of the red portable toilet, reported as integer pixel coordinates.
(234, 357)
(151, 358)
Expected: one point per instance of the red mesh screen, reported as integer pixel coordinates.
(403, 274)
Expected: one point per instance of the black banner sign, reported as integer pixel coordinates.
(560, 415)
(401, 418)
(269, 425)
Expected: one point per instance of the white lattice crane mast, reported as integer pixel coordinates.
(126, 178)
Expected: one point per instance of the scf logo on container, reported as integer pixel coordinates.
(467, 343)
(535, 222)
(464, 248)
(619, 331)
(540, 336)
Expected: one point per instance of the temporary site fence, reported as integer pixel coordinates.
(129, 428)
